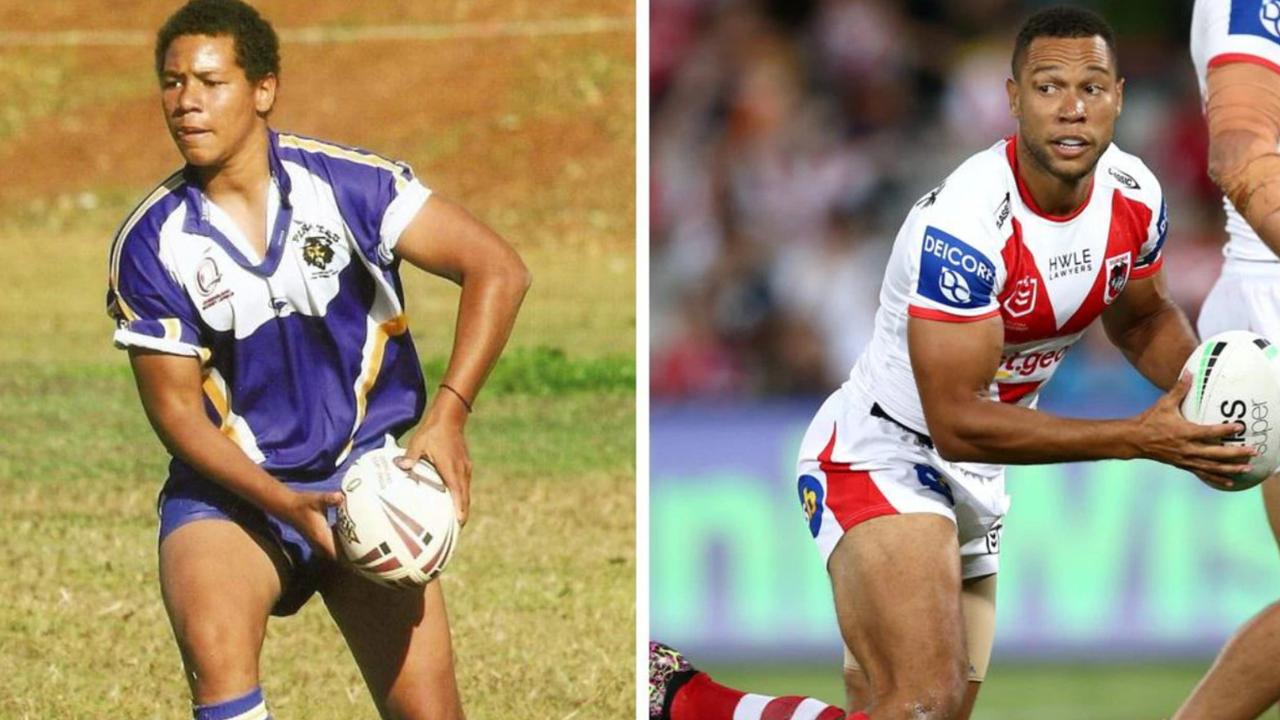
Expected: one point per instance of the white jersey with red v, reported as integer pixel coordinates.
(978, 247)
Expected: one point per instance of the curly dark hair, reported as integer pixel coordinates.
(1061, 22)
(257, 47)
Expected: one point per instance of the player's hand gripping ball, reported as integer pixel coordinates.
(395, 527)
(1235, 378)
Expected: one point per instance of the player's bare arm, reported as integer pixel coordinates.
(445, 240)
(954, 365)
(170, 389)
(1243, 112)
(1151, 330)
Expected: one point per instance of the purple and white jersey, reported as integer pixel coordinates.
(306, 352)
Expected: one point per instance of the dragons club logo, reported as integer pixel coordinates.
(1117, 277)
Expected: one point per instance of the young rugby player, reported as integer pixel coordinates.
(1236, 53)
(994, 275)
(258, 293)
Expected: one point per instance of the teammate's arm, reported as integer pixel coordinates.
(445, 240)
(954, 364)
(170, 389)
(1243, 111)
(1151, 331)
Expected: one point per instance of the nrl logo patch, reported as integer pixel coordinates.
(1023, 298)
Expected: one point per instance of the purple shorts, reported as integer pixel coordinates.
(187, 497)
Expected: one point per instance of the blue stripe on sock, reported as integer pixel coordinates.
(229, 708)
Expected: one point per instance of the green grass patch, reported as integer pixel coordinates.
(548, 371)
(541, 594)
(1012, 691)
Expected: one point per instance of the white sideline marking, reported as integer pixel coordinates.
(318, 35)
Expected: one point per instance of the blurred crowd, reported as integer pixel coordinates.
(790, 137)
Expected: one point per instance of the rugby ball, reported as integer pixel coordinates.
(395, 527)
(1235, 378)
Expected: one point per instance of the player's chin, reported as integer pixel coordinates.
(198, 156)
(1075, 169)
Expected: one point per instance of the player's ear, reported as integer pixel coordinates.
(264, 94)
(1011, 88)
(1119, 96)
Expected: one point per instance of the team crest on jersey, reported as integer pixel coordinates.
(316, 251)
(1117, 276)
(317, 248)
(954, 273)
(1023, 298)
(811, 502)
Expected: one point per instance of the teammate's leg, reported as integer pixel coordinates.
(219, 582)
(896, 581)
(400, 639)
(1228, 689)
(857, 686)
(1271, 501)
(1243, 681)
(977, 605)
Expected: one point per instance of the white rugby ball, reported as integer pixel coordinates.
(1235, 378)
(396, 528)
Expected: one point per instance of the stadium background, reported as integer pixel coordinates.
(524, 112)
(788, 140)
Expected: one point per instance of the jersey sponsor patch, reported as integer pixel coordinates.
(811, 502)
(1259, 18)
(932, 479)
(954, 273)
(1124, 178)
(1002, 213)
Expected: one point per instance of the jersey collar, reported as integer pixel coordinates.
(1011, 151)
(198, 223)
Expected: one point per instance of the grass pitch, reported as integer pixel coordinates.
(535, 134)
(1013, 691)
(540, 593)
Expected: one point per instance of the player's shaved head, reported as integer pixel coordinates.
(1062, 22)
(256, 44)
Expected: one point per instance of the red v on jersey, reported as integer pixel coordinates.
(1027, 299)
(978, 247)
